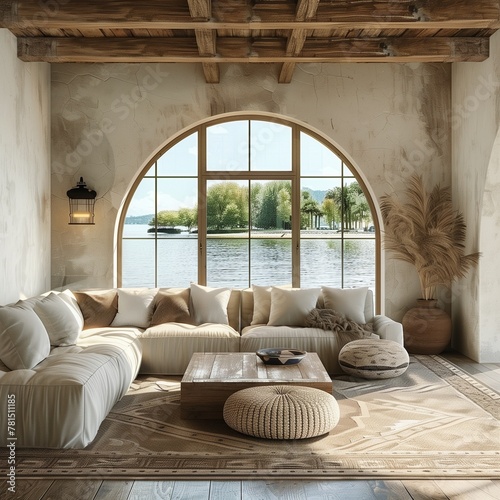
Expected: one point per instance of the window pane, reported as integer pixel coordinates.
(141, 209)
(357, 213)
(227, 262)
(271, 261)
(227, 206)
(317, 159)
(177, 260)
(359, 263)
(227, 146)
(138, 263)
(320, 262)
(177, 200)
(270, 146)
(181, 159)
(271, 206)
(320, 205)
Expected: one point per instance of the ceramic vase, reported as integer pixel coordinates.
(427, 328)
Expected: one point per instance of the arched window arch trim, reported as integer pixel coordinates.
(297, 127)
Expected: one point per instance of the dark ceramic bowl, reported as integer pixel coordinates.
(281, 356)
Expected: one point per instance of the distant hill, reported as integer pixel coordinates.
(316, 194)
(139, 219)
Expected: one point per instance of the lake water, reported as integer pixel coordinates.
(227, 260)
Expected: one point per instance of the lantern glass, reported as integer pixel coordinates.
(81, 211)
(81, 204)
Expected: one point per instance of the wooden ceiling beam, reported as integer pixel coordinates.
(306, 9)
(249, 50)
(205, 39)
(175, 14)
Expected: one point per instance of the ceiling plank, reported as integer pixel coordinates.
(250, 50)
(175, 14)
(306, 9)
(205, 39)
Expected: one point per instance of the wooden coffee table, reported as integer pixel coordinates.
(211, 378)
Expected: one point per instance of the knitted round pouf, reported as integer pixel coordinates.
(370, 358)
(281, 412)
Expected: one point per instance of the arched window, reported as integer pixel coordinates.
(248, 200)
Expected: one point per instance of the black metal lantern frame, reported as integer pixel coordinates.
(81, 204)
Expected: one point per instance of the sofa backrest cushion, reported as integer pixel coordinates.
(135, 307)
(247, 306)
(24, 341)
(172, 306)
(290, 306)
(348, 301)
(98, 307)
(58, 316)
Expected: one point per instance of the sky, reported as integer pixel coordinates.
(228, 150)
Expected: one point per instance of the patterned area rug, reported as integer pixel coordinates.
(434, 421)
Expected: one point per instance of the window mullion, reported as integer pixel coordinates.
(202, 209)
(295, 207)
(156, 224)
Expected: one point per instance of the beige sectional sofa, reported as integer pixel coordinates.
(67, 358)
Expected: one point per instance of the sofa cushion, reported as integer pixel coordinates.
(135, 307)
(59, 317)
(99, 308)
(24, 341)
(167, 348)
(63, 400)
(290, 306)
(210, 304)
(348, 301)
(171, 306)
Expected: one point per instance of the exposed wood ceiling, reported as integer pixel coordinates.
(286, 32)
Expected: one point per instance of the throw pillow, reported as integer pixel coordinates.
(69, 297)
(24, 342)
(348, 301)
(59, 320)
(290, 306)
(171, 307)
(98, 308)
(135, 307)
(210, 304)
(261, 304)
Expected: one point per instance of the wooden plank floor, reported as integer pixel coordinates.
(477, 489)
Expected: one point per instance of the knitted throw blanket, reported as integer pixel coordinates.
(328, 319)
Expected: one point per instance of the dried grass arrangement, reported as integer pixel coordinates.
(426, 231)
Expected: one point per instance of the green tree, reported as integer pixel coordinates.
(166, 218)
(310, 207)
(227, 206)
(284, 209)
(275, 205)
(360, 210)
(188, 217)
(330, 212)
(349, 201)
(255, 202)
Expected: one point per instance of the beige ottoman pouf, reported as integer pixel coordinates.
(374, 359)
(281, 412)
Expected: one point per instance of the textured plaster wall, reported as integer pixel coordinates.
(107, 120)
(475, 123)
(24, 174)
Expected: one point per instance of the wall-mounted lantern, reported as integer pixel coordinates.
(81, 204)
